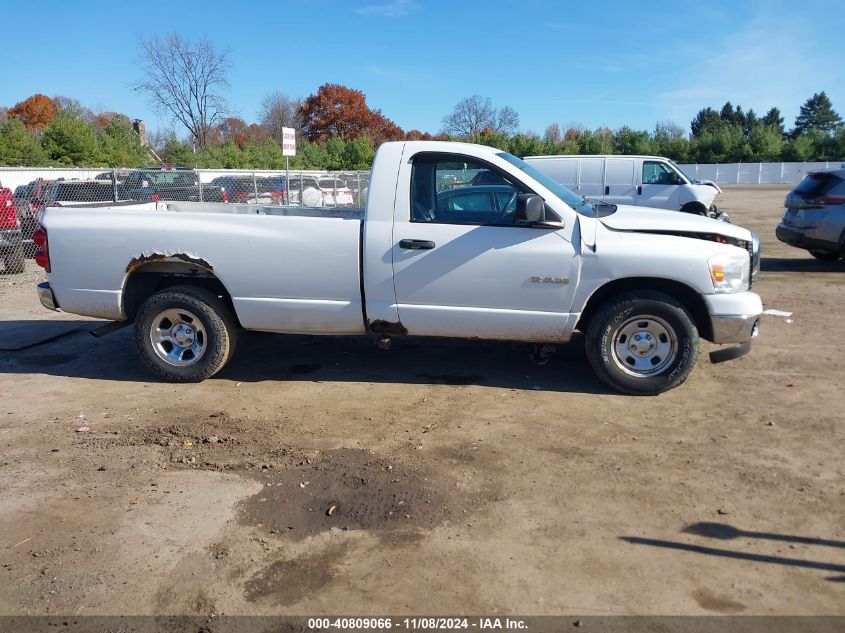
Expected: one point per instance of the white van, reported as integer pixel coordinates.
(647, 181)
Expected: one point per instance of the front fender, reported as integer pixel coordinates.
(703, 194)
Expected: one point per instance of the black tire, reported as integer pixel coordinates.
(696, 208)
(824, 256)
(15, 262)
(218, 327)
(666, 315)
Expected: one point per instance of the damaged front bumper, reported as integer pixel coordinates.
(738, 328)
(734, 319)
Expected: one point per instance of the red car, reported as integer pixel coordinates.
(11, 248)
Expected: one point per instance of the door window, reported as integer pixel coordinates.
(457, 190)
(658, 173)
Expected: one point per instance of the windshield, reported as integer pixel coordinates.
(681, 171)
(579, 203)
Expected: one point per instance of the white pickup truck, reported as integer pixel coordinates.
(456, 240)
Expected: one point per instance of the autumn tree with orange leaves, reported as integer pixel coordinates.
(336, 110)
(34, 112)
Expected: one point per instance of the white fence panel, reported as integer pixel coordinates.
(13, 177)
(771, 173)
(756, 173)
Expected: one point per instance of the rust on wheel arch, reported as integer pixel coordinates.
(152, 258)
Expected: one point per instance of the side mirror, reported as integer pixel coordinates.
(530, 209)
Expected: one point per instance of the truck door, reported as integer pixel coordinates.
(462, 267)
(619, 181)
(660, 186)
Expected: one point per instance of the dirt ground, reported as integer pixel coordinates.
(323, 475)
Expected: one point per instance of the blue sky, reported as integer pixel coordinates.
(598, 63)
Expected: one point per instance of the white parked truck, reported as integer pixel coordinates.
(456, 240)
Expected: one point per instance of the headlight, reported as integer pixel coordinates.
(730, 271)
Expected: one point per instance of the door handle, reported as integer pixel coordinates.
(416, 245)
(639, 190)
(607, 190)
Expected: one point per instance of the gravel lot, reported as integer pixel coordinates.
(464, 478)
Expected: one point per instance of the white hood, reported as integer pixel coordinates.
(709, 183)
(629, 218)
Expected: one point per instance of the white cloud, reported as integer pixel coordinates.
(773, 61)
(394, 9)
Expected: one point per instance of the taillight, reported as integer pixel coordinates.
(42, 251)
(154, 197)
(225, 196)
(827, 200)
(241, 196)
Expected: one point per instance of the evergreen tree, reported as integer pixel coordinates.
(774, 119)
(751, 120)
(817, 113)
(69, 140)
(706, 120)
(18, 146)
(359, 153)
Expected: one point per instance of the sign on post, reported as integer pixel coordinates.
(288, 141)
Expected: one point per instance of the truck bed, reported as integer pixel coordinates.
(290, 269)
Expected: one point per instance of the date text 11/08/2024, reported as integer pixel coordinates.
(429, 623)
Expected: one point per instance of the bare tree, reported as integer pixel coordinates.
(553, 134)
(475, 114)
(73, 107)
(158, 137)
(185, 81)
(507, 120)
(278, 110)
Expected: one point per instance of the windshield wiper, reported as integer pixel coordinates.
(583, 202)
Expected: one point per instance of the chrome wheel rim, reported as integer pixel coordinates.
(644, 346)
(178, 337)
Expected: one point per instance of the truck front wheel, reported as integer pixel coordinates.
(185, 334)
(642, 343)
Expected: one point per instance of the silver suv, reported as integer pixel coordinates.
(815, 215)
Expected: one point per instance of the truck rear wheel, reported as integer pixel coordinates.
(642, 343)
(185, 334)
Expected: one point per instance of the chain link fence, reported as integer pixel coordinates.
(25, 193)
